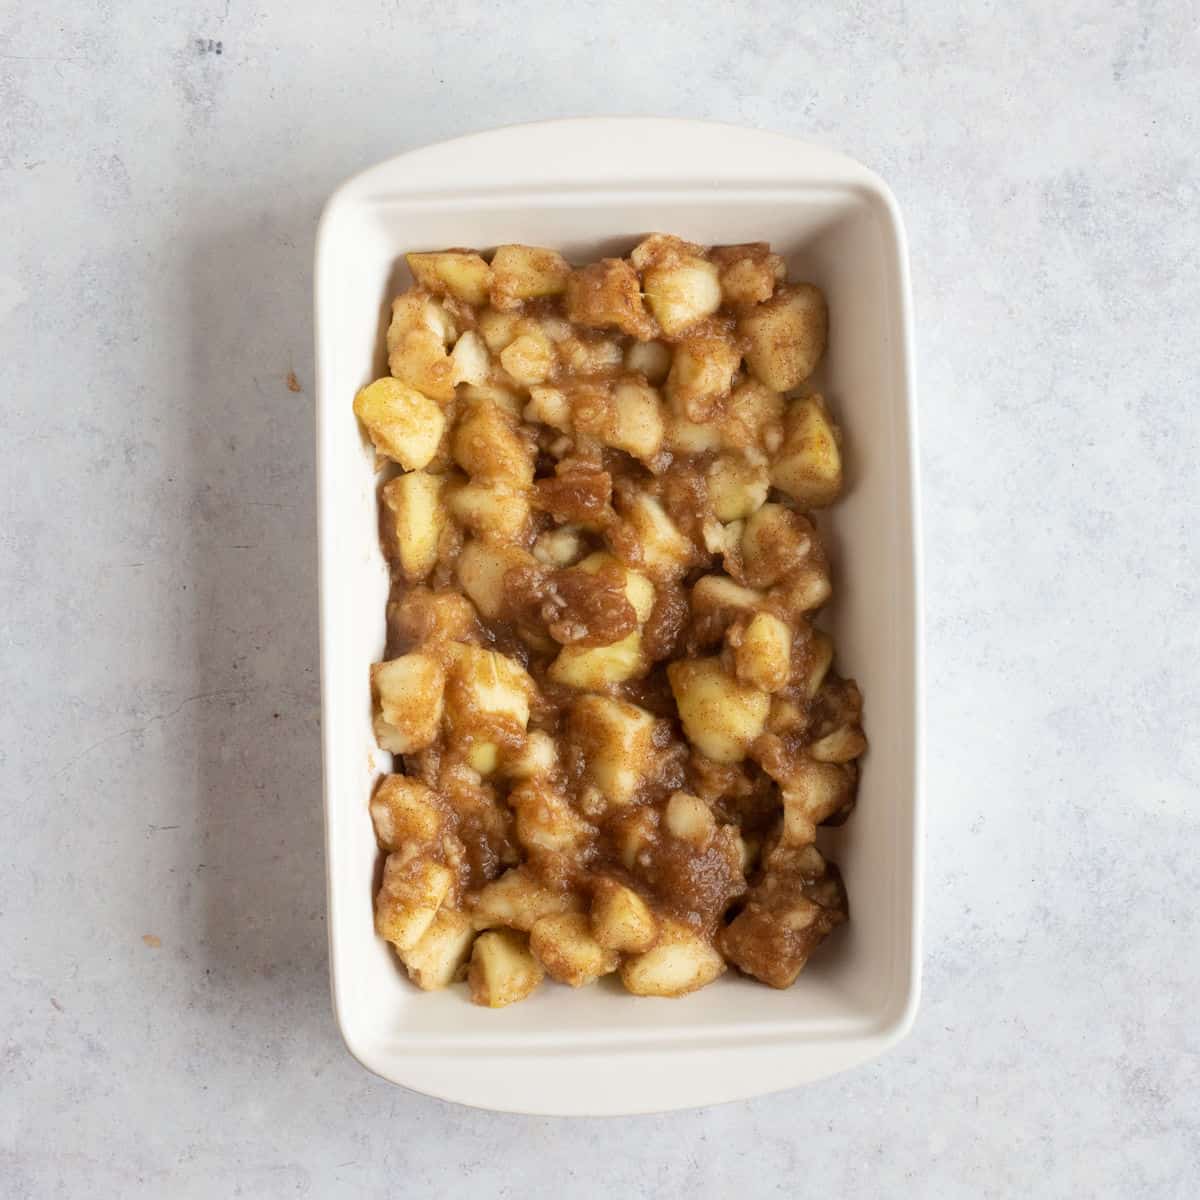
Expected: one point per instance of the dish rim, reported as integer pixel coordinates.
(815, 160)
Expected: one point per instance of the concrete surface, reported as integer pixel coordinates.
(166, 1028)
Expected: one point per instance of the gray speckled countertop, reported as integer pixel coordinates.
(165, 1027)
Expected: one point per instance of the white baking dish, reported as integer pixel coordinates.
(592, 187)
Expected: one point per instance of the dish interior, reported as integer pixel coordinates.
(842, 239)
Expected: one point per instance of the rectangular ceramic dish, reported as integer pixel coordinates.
(588, 188)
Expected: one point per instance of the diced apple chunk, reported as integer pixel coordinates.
(487, 445)
(812, 793)
(460, 273)
(529, 358)
(720, 716)
(546, 822)
(526, 273)
(418, 310)
(722, 539)
(438, 958)
(692, 437)
(404, 424)
(470, 360)
(806, 589)
(593, 668)
(405, 812)
(561, 547)
(486, 689)
(737, 487)
(409, 700)
(490, 509)
(420, 331)
(763, 657)
(749, 272)
(717, 601)
(412, 891)
(418, 358)
(682, 292)
(584, 354)
(502, 969)
(665, 550)
(775, 542)
(650, 359)
(841, 746)
(689, 818)
(481, 568)
(808, 466)
(617, 741)
(483, 757)
(632, 422)
(418, 518)
(418, 615)
(549, 406)
(518, 900)
(536, 758)
(621, 919)
(753, 418)
(701, 376)
(564, 945)
(785, 336)
(607, 293)
(658, 248)
(497, 328)
(681, 961)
